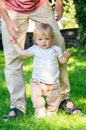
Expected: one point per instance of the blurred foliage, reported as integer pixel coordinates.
(69, 20)
(81, 19)
(75, 16)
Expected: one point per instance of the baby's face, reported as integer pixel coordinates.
(44, 41)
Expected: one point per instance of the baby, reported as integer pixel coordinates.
(45, 75)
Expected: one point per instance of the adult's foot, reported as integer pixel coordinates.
(14, 112)
(70, 107)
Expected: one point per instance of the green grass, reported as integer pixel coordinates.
(61, 121)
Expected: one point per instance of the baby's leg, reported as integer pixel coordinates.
(37, 99)
(53, 99)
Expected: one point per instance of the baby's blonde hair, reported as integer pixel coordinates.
(44, 29)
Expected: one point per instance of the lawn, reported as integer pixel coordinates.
(61, 121)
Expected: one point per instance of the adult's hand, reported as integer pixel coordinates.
(59, 9)
(12, 29)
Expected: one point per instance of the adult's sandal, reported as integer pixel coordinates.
(70, 107)
(14, 112)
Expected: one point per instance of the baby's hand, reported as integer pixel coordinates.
(66, 54)
(12, 41)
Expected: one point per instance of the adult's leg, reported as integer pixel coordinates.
(14, 63)
(44, 14)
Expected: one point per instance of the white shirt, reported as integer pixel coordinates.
(45, 63)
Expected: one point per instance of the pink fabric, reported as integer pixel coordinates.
(24, 6)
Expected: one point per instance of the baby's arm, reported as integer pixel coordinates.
(20, 51)
(64, 58)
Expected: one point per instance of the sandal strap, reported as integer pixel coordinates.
(16, 111)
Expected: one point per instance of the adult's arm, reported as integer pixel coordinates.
(11, 27)
(59, 9)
